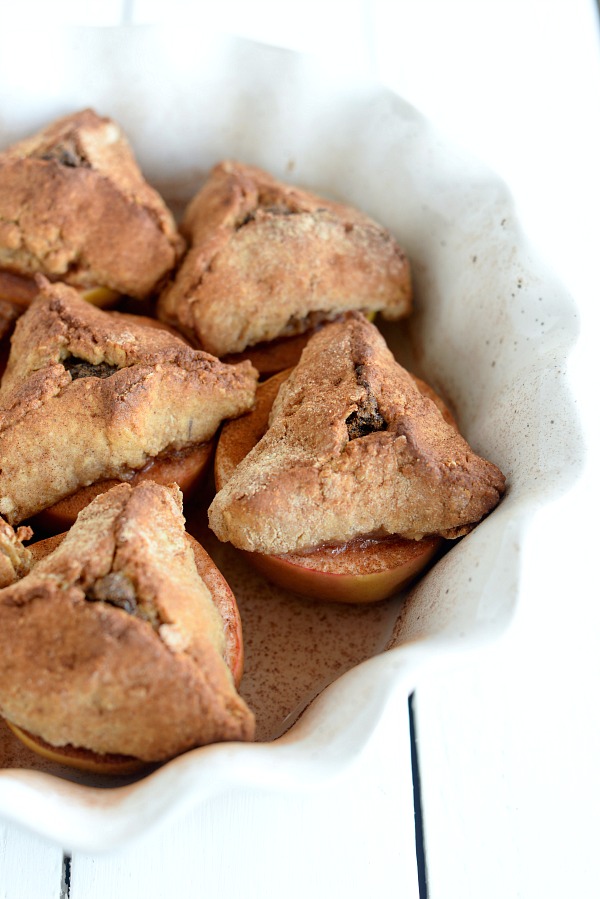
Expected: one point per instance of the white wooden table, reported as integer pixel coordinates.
(508, 740)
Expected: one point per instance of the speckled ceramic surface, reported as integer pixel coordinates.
(491, 332)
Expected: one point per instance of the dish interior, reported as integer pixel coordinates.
(491, 330)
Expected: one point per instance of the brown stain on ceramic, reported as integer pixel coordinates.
(294, 647)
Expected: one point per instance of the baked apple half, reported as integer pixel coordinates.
(75, 207)
(362, 570)
(347, 486)
(115, 763)
(185, 467)
(269, 260)
(90, 396)
(132, 651)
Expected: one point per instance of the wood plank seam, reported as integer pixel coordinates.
(416, 778)
(65, 882)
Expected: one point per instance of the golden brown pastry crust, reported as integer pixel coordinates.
(75, 207)
(237, 437)
(59, 432)
(268, 260)
(76, 669)
(353, 448)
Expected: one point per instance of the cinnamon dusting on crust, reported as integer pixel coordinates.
(75, 206)
(267, 259)
(59, 433)
(91, 674)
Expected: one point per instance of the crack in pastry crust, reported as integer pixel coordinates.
(58, 433)
(266, 257)
(366, 419)
(90, 674)
(65, 153)
(309, 481)
(116, 589)
(79, 368)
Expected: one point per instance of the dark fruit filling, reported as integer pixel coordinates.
(67, 155)
(79, 368)
(367, 418)
(116, 589)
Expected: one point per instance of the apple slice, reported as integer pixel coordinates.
(21, 291)
(364, 570)
(225, 602)
(184, 468)
(272, 357)
(277, 355)
(78, 758)
(359, 572)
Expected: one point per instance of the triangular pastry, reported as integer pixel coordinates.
(112, 642)
(85, 397)
(353, 448)
(75, 207)
(268, 260)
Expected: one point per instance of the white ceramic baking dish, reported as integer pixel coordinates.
(492, 331)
